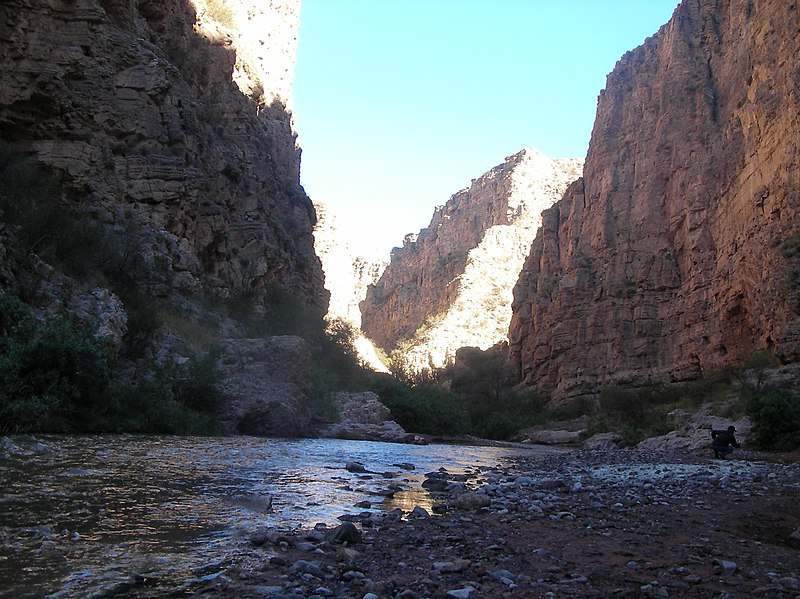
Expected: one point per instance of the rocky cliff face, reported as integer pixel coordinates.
(450, 286)
(169, 116)
(676, 252)
(347, 276)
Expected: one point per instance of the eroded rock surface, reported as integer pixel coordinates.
(450, 285)
(363, 417)
(266, 384)
(675, 253)
(169, 117)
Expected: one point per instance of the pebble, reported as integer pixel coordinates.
(464, 593)
(589, 500)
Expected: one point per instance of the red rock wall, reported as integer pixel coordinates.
(673, 255)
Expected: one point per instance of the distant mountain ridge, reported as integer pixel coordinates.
(450, 285)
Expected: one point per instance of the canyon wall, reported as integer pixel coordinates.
(676, 253)
(347, 278)
(450, 285)
(347, 275)
(169, 117)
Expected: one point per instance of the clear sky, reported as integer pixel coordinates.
(400, 103)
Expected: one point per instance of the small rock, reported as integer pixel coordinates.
(789, 582)
(465, 593)
(794, 539)
(472, 501)
(354, 467)
(728, 567)
(346, 533)
(454, 566)
(503, 576)
(304, 567)
(419, 512)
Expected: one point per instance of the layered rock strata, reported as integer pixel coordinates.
(169, 116)
(450, 286)
(676, 253)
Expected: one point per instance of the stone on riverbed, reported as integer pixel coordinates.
(465, 593)
(472, 501)
(346, 533)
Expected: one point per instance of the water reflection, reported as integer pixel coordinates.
(82, 513)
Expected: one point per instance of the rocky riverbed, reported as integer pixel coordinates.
(618, 523)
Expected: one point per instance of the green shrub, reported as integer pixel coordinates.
(627, 406)
(196, 385)
(148, 406)
(776, 419)
(58, 377)
(52, 371)
(426, 408)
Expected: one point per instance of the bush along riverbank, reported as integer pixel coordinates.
(613, 523)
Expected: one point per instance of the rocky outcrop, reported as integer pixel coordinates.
(169, 116)
(693, 432)
(266, 384)
(363, 417)
(675, 254)
(450, 286)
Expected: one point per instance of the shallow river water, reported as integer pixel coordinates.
(79, 515)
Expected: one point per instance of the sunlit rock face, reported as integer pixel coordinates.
(346, 279)
(676, 253)
(170, 116)
(450, 285)
(346, 275)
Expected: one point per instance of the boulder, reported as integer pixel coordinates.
(695, 434)
(364, 418)
(546, 437)
(602, 442)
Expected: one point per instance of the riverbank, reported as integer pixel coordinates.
(620, 523)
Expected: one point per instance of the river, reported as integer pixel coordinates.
(81, 516)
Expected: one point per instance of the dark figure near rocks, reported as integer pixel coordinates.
(723, 442)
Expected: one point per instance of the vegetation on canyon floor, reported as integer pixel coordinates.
(60, 376)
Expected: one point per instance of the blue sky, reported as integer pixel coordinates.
(399, 104)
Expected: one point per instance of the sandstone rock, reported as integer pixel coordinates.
(472, 501)
(449, 286)
(101, 308)
(346, 533)
(361, 408)
(695, 434)
(670, 257)
(346, 275)
(551, 437)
